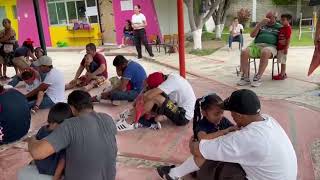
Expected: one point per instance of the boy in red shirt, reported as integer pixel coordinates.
(283, 45)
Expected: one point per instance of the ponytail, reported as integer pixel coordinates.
(203, 103)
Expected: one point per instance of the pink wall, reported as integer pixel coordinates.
(148, 10)
(27, 21)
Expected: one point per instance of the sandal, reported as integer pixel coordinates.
(124, 126)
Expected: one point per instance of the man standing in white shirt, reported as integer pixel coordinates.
(235, 30)
(53, 85)
(169, 97)
(261, 147)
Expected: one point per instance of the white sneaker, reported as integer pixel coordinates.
(124, 126)
(155, 126)
(256, 81)
(152, 58)
(243, 81)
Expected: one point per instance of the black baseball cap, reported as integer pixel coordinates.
(242, 101)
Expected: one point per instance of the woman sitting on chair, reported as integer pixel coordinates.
(127, 34)
(235, 33)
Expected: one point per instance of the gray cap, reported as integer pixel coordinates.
(43, 61)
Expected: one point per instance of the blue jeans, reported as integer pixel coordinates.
(124, 96)
(238, 38)
(46, 102)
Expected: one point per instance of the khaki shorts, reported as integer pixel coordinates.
(21, 62)
(256, 49)
(282, 58)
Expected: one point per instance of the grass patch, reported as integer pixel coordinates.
(202, 52)
(207, 36)
(306, 39)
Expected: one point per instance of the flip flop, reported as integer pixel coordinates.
(124, 126)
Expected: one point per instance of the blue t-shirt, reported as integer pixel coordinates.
(48, 165)
(208, 127)
(136, 74)
(93, 67)
(15, 115)
(21, 51)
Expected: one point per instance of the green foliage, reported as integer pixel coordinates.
(207, 36)
(284, 2)
(196, 7)
(202, 52)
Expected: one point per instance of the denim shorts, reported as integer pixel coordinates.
(124, 96)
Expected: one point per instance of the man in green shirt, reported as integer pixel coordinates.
(263, 47)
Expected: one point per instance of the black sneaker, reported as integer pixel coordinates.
(164, 171)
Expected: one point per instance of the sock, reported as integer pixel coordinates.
(184, 169)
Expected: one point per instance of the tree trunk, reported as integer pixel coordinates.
(219, 29)
(197, 43)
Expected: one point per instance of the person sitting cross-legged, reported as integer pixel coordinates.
(131, 83)
(96, 66)
(261, 146)
(88, 81)
(170, 97)
(264, 47)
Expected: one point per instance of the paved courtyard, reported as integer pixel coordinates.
(291, 102)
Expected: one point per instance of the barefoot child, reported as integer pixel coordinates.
(283, 45)
(209, 123)
(54, 164)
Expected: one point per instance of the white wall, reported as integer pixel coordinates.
(167, 16)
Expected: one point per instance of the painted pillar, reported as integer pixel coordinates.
(182, 63)
(148, 9)
(27, 21)
(254, 10)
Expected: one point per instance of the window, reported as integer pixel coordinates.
(91, 3)
(2, 13)
(14, 11)
(68, 11)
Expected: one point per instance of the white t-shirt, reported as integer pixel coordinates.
(57, 88)
(180, 91)
(33, 86)
(138, 19)
(237, 29)
(262, 148)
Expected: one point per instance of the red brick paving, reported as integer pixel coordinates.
(170, 143)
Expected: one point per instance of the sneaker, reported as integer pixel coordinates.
(156, 126)
(164, 171)
(256, 81)
(152, 58)
(279, 77)
(243, 81)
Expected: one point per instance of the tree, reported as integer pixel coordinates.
(284, 2)
(199, 12)
(220, 16)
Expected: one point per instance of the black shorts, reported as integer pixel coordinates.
(221, 170)
(175, 113)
